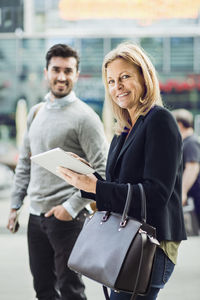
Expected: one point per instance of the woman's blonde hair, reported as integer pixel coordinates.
(134, 55)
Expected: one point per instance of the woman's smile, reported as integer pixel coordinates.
(122, 95)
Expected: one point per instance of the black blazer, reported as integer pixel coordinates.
(151, 155)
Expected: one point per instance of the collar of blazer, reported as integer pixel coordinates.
(121, 144)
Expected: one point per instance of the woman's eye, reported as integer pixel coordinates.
(111, 81)
(125, 76)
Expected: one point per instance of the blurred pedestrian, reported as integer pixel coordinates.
(57, 211)
(191, 159)
(147, 149)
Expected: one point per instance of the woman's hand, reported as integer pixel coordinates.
(80, 158)
(86, 183)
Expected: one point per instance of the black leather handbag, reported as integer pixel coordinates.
(117, 250)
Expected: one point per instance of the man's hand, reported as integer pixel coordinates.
(184, 198)
(190, 175)
(60, 213)
(13, 224)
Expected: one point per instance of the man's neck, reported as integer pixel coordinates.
(53, 102)
(53, 97)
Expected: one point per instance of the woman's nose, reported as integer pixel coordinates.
(118, 84)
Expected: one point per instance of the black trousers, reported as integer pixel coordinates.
(50, 242)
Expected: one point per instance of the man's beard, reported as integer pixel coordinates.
(62, 94)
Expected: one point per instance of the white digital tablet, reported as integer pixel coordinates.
(57, 157)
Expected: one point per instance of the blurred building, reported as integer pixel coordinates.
(170, 34)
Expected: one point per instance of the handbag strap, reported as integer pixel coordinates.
(105, 290)
(143, 203)
(134, 295)
(143, 240)
(128, 202)
(143, 236)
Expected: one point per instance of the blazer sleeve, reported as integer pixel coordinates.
(163, 158)
(91, 195)
(162, 161)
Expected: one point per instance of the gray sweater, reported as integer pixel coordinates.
(74, 127)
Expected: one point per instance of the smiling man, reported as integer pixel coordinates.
(57, 211)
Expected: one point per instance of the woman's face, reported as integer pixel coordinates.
(125, 83)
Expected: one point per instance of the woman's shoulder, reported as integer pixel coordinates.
(160, 113)
(161, 120)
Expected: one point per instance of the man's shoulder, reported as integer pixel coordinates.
(35, 108)
(191, 142)
(33, 112)
(84, 110)
(193, 138)
(83, 104)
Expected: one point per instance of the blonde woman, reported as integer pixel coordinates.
(146, 149)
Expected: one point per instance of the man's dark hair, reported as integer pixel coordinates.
(184, 117)
(62, 50)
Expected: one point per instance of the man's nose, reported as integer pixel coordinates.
(61, 76)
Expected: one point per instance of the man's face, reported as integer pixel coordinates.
(181, 128)
(61, 75)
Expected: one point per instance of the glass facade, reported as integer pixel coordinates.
(154, 48)
(22, 55)
(11, 15)
(22, 61)
(182, 54)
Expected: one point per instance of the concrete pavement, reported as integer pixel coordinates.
(16, 281)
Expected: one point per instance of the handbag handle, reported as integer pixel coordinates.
(128, 202)
(143, 203)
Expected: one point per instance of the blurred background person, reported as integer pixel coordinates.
(191, 159)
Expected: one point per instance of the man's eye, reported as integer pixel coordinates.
(68, 70)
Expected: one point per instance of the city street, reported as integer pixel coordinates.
(16, 281)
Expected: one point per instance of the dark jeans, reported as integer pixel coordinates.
(162, 270)
(153, 292)
(50, 242)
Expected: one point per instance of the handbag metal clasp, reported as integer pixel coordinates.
(123, 223)
(105, 217)
(142, 231)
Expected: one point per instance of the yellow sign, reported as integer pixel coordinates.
(128, 9)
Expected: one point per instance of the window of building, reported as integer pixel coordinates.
(116, 41)
(8, 18)
(0, 16)
(11, 15)
(154, 49)
(182, 54)
(91, 56)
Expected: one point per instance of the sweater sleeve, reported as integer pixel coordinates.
(94, 144)
(22, 172)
